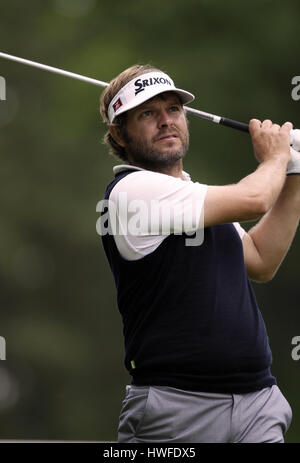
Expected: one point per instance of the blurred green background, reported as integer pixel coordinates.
(64, 376)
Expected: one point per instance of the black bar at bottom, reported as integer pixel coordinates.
(128, 453)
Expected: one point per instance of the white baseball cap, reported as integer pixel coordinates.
(141, 89)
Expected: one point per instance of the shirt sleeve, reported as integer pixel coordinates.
(149, 206)
(239, 229)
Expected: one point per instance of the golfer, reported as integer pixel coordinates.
(196, 344)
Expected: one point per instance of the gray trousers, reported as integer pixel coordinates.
(166, 414)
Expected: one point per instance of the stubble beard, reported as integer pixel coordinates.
(145, 153)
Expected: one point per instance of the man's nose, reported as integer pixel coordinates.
(164, 119)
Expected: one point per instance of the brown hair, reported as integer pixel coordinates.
(113, 88)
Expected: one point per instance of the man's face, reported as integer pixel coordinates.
(157, 132)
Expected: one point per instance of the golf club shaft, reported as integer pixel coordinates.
(218, 119)
(55, 70)
(211, 117)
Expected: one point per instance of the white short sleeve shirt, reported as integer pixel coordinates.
(148, 206)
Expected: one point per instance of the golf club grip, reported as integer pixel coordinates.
(234, 124)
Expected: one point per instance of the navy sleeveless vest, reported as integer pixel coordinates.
(190, 317)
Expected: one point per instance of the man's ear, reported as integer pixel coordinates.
(115, 133)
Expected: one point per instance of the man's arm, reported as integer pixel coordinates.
(254, 195)
(250, 198)
(267, 243)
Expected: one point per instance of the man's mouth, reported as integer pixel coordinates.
(166, 137)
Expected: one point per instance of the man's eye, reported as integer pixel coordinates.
(174, 108)
(146, 113)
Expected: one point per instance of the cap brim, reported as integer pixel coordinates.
(185, 98)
